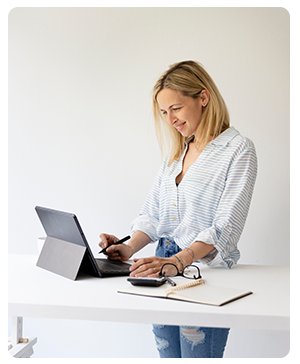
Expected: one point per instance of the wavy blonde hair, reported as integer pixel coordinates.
(191, 79)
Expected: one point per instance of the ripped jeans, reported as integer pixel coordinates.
(187, 341)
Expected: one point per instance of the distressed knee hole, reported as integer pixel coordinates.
(161, 344)
(159, 326)
(193, 335)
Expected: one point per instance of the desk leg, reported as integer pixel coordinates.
(16, 330)
(20, 348)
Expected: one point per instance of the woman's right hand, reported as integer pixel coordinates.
(120, 252)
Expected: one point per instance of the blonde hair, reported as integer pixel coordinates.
(191, 79)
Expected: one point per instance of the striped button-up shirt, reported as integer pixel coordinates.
(211, 202)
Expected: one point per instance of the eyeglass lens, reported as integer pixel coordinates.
(169, 270)
(191, 272)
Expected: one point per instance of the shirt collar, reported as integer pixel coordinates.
(225, 137)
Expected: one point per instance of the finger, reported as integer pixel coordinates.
(149, 272)
(140, 271)
(102, 236)
(141, 261)
(114, 249)
(151, 269)
(150, 262)
(116, 252)
(153, 272)
(135, 266)
(103, 243)
(107, 239)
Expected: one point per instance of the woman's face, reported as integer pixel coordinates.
(181, 112)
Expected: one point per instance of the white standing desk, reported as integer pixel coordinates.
(35, 292)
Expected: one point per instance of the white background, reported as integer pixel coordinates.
(81, 136)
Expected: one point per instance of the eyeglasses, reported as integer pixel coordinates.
(170, 270)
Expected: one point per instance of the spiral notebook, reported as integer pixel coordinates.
(196, 291)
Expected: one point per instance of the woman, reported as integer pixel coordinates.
(200, 199)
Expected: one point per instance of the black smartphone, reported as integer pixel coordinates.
(146, 281)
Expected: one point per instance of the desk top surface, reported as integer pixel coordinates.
(35, 292)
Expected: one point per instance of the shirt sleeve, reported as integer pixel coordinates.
(232, 209)
(148, 219)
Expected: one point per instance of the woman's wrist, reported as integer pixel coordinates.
(131, 249)
(176, 263)
(180, 261)
(138, 241)
(183, 259)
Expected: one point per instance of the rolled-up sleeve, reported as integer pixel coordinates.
(232, 211)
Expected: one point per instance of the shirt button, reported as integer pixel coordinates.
(227, 227)
(174, 204)
(175, 218)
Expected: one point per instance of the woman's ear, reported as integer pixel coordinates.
(204, 97)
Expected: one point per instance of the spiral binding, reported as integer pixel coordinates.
(197, 282)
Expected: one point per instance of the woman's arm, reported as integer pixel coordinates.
(196, 251)
(233, 207)
(151, 266)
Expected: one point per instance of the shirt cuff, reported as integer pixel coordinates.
(219, 238)
(146, 224)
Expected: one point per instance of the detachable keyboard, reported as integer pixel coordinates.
(112, 266)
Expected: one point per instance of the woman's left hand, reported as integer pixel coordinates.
(148, 267)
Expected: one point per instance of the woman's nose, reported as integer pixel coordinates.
(171, 119)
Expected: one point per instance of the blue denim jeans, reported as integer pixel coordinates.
(187, 341)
